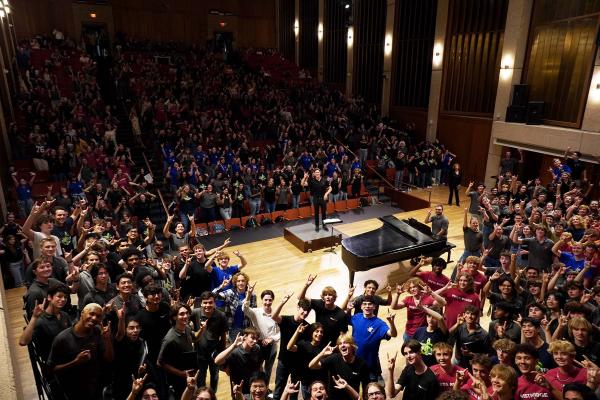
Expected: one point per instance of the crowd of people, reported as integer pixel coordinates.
(117, 309)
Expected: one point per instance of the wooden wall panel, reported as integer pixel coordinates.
(414, 30)
(472, 55)
(335, 52)
(182, 20)
(468, 138)
(285, 23)
(561, 51)
(369, 33)
(309, 44)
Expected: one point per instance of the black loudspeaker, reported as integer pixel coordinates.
(516, 114)
(535, 112)
(520, 95)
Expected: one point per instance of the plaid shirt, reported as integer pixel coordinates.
(233, 302)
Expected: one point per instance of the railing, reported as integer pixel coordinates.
(388, 184)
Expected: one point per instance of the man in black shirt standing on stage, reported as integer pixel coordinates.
(319, 190)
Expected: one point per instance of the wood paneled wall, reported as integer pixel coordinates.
(309, 41)
(369, 35)
(468, 138)
(561, 51)
(414, 30)
(473, 52)
(335, 54)
(182, 20)
(285, 25)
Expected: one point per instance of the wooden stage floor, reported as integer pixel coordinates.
(278, 265)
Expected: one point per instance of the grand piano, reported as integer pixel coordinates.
(397, 240)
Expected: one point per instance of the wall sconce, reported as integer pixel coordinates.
(93, 15)
(387, 49)
(350, 36)
(506, 67)
(296, 28)
(594, 95)
(320, 31)
(438, 50)
(2, 13)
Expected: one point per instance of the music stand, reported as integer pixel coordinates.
(331, 221)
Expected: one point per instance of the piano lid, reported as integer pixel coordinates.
(394, 235)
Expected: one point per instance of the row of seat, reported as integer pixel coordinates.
(292, 214)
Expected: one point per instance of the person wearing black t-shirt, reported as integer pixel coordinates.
(288, 360)
(333, 318)
(319, 190)
(416, 379)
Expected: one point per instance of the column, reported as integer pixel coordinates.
(435, 90)
(320, 40)
(511, 68)
(350, 60)
(297, 30)
(388, 45)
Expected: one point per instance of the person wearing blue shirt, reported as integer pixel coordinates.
(575, 260)
(368, 331)
(558, 169)
(222, 270)
(24, 199)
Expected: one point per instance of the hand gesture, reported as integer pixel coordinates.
(83, 357)
(190, 302)
(191, 379)
(329, 349)
(391, 361)
(106, 330)
(39, 308)
(137, 384)
(501, 329)
(351, 292)
(388, 289)
(339, 382)
(495, 276)
(287, 296)
(237, 253)
(399, 288)
(227, 242)
(238, 387)
(251, 289)
(310, 279)
(292, 387)
(225, 282)
(122, 311)
(238, 340)
(541, 380)
(390, 317)
(461, 376)
(461, 318)
(563, 320)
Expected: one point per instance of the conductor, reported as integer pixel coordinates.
(319, 190)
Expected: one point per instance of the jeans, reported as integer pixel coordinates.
(343, 195)
(363, 155)
(398, 179)
(295, 201)
(437, 176)
(225, 212)
(16, 270)
(334, 197)
(269, 206)
(453, 190)
(185, 221)
(25, 207)
(281, 376)
(254, 206)
(406, 337)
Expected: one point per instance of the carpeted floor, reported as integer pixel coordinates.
(276, 230)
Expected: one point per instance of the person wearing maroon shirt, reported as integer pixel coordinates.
(563, 353)
(481, 366)
(444, 370)
(435, 278)
(457, 298)
(419, 294)
(531, 384)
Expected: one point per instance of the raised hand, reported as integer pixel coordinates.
(287, 296)
(138, 384)
(238, 340)
(339, 382)
(351, 291)
(311, 278)
(83, 357)
(251, 289)
(38, 309)
(292, 387)
(106, 330)
(122, 311)
(390, 317)
(391, 361)
(238, 387)
(329, 349)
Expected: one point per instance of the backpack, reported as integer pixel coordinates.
(219, 228)
(251, 223)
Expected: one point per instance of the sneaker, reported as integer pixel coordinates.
(317, 228)
(325, 228)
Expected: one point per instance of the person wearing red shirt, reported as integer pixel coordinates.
(457, 298)
(419, 294)
(444, 370)
(480, 373)
(531, 384)
(563, 353)
(435, 278)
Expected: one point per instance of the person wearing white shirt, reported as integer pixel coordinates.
(269, 330)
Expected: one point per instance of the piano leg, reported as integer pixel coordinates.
(448, 257)
(351, 277)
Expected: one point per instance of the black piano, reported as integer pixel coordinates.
(397, 240)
